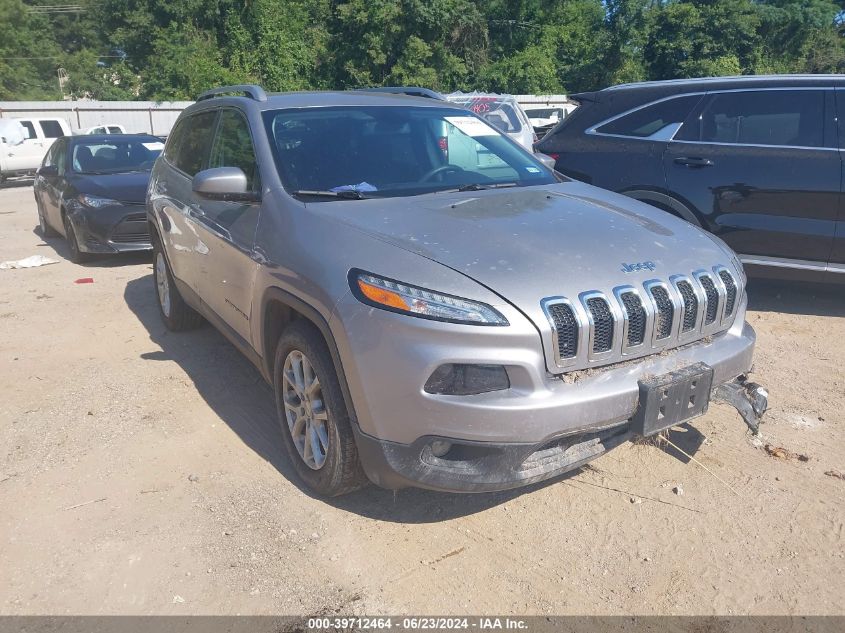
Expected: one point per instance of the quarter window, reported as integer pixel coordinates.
(50, 156)
(193, 144)
(658, 120)
(763, 117)
(61, 156)
(233, 147)
(51, 129)
(174, 139)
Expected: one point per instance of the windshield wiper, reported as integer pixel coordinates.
(346, 194)
(476, 186)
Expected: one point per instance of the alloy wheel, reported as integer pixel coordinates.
(162, 284)
(71, 237)
(305, 409)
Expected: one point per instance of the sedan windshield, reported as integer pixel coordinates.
(394, 151)
(115, 155)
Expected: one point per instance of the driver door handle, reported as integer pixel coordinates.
(693, 162)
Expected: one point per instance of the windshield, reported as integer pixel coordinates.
(115, 156)
(394, 151)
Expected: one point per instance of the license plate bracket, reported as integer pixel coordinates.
(669, 399)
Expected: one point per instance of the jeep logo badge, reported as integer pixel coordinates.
(630, 268)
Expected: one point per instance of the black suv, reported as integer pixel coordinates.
(755, 160)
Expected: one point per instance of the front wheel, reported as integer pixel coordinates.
(176, 314)
(77, 256)
(315, 423)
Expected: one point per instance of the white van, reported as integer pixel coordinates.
(24, 157)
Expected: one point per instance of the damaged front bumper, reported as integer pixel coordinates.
(112, 229)
(458, 465)
(748, 398)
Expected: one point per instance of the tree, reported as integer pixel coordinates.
(28, 61)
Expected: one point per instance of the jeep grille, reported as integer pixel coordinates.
(631, 322)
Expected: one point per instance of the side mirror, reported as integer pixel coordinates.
(223, 183)
(547, 160)
(48, 171)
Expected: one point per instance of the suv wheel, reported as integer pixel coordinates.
(176, 314)
(314, 420)
(46, 229)
(77, 256)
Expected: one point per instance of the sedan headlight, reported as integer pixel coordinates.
(96, 202)
(394, 296)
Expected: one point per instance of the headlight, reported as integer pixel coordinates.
(96, 202)
(728, 250)
(737, 262)
(405, 299)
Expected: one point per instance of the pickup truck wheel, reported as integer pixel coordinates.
(314, 420)
(176, 314)
(76, 255)
(46, 229)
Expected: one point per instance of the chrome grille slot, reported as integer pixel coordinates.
(603, 324)
(730, 288)
(665, 312)
(566, 327)
(712, 295)
(690, 306)
(636, 316)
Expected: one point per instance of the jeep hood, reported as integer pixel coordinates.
(534, 242)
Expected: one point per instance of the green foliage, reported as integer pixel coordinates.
(160, 49)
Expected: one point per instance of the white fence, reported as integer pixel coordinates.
(134, 116)
(158, 117)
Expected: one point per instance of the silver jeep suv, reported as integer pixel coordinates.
(432, 305)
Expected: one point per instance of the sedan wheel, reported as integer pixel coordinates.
(76, 255)
(305, 410)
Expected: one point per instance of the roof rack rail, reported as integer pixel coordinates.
(251, 90)
(411, 91)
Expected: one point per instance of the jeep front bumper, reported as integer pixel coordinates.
(541, 427)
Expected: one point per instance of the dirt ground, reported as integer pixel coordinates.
(142, 472)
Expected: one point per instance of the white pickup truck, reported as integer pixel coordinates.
(18, 156)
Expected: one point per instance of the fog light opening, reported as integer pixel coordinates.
(465, 380)
(439, 448)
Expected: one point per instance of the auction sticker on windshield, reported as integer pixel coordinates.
(471, 126)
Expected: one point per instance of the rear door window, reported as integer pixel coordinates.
(51, 129)
(792, 118)
(195, 142)
(659, 120)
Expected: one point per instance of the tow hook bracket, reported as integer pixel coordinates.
(749, 398)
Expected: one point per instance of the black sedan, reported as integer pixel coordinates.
(92, 190)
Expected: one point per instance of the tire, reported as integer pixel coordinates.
(43, 225)
(331, 467)
(177, 315)
(76, 255)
